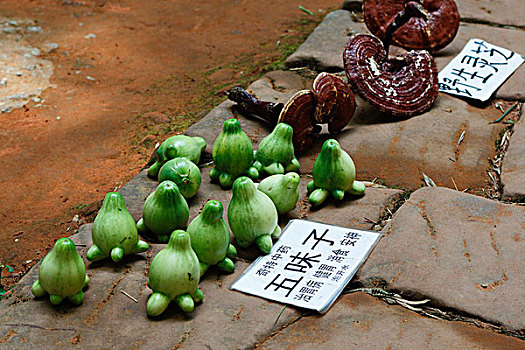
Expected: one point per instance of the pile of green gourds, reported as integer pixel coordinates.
(253, 212)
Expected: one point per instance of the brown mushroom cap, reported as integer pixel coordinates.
(298, 112)
(335, 102)
(405, 85)
(418, 33)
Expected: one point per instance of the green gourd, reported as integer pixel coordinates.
(252, 216)
(275, 154)
(333, 173)
(177, 146)
(184, 173)
(210, 238)
(62, 274)
(174, 274)
(165, 210)
(114, 231)
(232, 154)
(283, 190)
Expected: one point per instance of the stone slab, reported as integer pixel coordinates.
(353, 211)
(109, 319)
(394, 150)
(398, 151)
(323, 49)
(498, 12)
(461, 251)
(513, 168)
(359, 321)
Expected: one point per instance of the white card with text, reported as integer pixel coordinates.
(309, 265)
(478, 70)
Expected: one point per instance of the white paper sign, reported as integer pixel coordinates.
(478, 70)
(309, 266)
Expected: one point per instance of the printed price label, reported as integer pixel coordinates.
(478, 70)
(309, 266)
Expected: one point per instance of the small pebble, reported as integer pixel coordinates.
(12, 23)
(10, 30)
(78, 71)
(50, 47)
(6, 109)
(19, 74)
(34, 29)
(90, 36)
(80, 24)
(17, 96)
(35, 52)
(90, 78)
(36, 99)
(58, 118)
(16, 240)
(3, 82)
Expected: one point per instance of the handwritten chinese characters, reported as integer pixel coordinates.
(478, 70)
(309, 266)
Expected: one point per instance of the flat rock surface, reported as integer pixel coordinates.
(225, 319)
(359, 321)
(513, 169)
(459, 250)
(353, 211)
(323, 50)
(399, 152)
(109, 319)
(499, 12)
(396, 151)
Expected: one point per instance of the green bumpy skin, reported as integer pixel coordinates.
(232, 154)
(210, 238)
(174, 274)
(184, 173)
(114, 231)
(62, 274)
(283, 190)
(275, 154)
(333, 173)
(178, 146)
(252, 216)
(164, 211)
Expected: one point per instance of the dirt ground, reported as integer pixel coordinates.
(126, 74)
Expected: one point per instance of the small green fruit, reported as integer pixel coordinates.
(114, 231)
(62, 274)
(174, 274)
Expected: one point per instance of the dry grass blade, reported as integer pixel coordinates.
(454, 182)
(428, 181)
(461, 138)
(129, 296)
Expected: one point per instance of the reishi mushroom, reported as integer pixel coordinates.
(404, 85)
(420, 24)
(330, 102)
(298, 112)
(335, 102)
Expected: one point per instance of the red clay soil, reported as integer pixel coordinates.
(165, 57)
